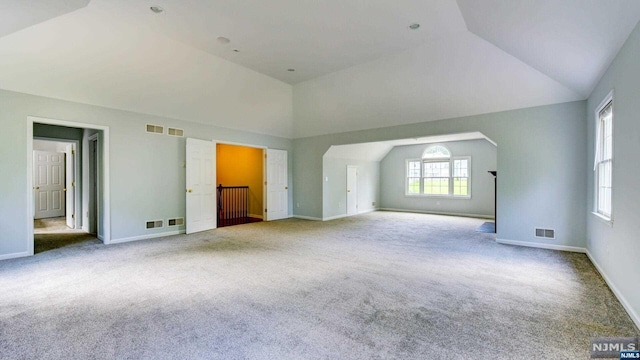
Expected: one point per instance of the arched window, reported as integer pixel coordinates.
(439, 173)
(436, 152)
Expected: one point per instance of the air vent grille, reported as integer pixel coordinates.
(154, 224)
(545, 233)
(155, 129)
(175, 222)
(175, 132)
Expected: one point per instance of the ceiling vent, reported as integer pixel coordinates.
(155, 129)
(175, 222)
(545, 233)
(154, 224)
(175, 132)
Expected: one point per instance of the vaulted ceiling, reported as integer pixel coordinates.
(118, 53)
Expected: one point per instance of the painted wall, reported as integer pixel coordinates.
(334, 173)
(242, 166)
(541, 166)
(616, 248)
(483, 158)
(147, 174)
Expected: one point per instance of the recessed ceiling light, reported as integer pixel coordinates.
(414, 26)
(156, 9)
(223, 40)
(291, 70)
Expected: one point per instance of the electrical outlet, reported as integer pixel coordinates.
(373, 203)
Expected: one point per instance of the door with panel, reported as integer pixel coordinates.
(48, 184)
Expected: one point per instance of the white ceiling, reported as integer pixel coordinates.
(117, 53)
(376, 151)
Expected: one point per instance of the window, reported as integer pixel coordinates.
(439, 174)
(603, 164)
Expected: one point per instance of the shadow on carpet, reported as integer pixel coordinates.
(487, 227)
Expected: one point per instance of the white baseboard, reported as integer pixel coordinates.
(149, 236)
(632, 313)
(439, 213)
(307, 217)
(14, 255)
(542, 245)
(335, 217)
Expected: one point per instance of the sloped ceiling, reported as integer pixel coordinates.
(357, 63)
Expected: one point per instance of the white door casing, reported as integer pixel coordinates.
(277, 185)
(201, 188)
(48, 184)
(70, 185)
(352, 190)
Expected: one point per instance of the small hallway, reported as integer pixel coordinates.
(53, 233)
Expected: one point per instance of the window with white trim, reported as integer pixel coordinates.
(603, 164)
(439, 174)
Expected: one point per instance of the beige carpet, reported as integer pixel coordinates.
(377, 286)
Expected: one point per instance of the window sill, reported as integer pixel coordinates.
(602, 218)
(438, 196)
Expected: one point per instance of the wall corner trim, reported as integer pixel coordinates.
(635, 317)
(542, 245)
(145, 237)
(14, 255)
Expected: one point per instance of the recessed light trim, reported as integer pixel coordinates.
(414, 26)
(291, 70)
(223, 40)
(157, 9)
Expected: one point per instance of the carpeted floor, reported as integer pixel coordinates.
(376, 286)
(53, 233)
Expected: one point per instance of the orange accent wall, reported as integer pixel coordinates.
(240, 166)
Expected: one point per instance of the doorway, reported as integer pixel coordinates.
(239, 184)
(65, 212)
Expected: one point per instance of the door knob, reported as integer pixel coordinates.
(348, 190)
(286, 187)
(189, 190)
(37, 187)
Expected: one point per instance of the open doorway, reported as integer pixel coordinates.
(67, 184)
(240, 184)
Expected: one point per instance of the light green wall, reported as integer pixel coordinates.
(616, 249)
(335, 185)
(483, 158)
(541, 166)
(147, 174)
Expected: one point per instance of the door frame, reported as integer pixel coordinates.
(75, 145)
(349, 167)
(106, 214)
(264, 170)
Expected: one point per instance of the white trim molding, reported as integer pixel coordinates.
(149, 236)
(15, 255)
(302, 217)
(625, 303)
(439, 213)
(542, 245)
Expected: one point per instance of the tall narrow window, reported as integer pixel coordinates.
(603, 166)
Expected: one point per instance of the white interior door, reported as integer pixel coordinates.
(201, 188)
(352, 190)
(277, 185)
(70, 184)
(48, 184)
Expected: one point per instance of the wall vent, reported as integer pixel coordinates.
(155, 129)
(175, 132)
(545, 233)
(175, 222)
(154, 224)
